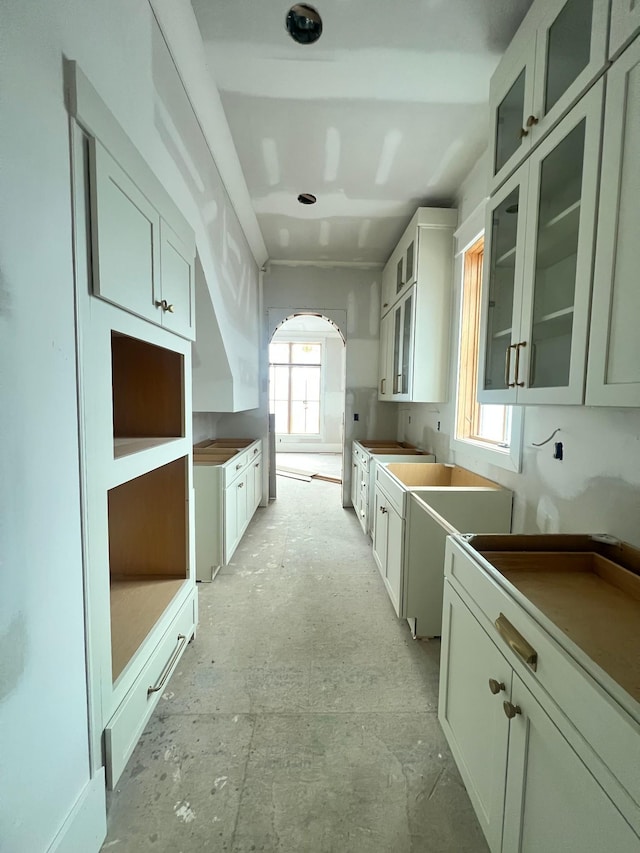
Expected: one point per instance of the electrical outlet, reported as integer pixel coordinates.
(356, 417)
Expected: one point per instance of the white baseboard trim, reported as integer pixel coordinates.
(85, 827)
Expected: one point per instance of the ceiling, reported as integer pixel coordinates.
(385, 113)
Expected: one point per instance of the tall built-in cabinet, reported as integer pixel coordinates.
(416, 310)
(613, 375)
(134, 302)
(560, 198)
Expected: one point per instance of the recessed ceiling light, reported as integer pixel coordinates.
(303, 23)
(307, 198)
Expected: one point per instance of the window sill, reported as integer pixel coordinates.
(509, 458)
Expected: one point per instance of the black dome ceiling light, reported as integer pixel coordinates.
(303, 23)
(307, 198)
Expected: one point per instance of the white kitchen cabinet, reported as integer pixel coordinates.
(135, 435)
(557, 53)
(385, 358)
(228, 486)
(139, 261)
(388, 544)
(414, 328)
(625, 24)
(546, 743)
(421, 504)
(538, 267)
(613, 375)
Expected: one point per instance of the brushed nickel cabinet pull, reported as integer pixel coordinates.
(522, 133)
(238, 466)
(241, 485)
(532, 120)
(168, 666)
(383, 510)
(496, 686)
(166, 306)
(516, 641)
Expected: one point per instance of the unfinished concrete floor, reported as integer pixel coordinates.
(303, 717)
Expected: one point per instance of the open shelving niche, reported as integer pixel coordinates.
(147, 513)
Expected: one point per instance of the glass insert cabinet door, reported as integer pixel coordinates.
(551, 350)
(501, 290)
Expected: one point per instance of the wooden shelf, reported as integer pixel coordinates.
(148, 393)
(127, 446)
(136, 606)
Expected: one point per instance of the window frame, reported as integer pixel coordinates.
(302, 340)
(471, 450)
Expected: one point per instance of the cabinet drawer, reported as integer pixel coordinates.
(126, 725)
(612, 733)
(392, 489)
(235, 466)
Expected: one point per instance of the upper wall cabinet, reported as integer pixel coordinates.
(540, 234)
(613, 376)
(140, 263)
(559, 50)
(416, 309)
(625, 24)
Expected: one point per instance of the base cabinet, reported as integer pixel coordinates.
(228, 486)
(530, 770)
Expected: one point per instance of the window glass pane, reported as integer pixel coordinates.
(281, 411)
(556, 260)
(509, 122)
(492, 423)
(568, 48)
(306, 353)
(312, 421)
(297, 416)
(280, 383)
(279, 353)
(501, 284)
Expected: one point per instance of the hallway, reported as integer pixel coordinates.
(303, 717)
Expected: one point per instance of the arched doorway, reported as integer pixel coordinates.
(307, 396)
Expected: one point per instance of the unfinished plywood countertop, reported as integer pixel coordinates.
(588, 589)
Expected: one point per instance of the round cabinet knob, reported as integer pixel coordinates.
(496, 686)
(170, 308)
(383, 509)
(532, 120)
(522, 133)
(166, 306)
(511, 710)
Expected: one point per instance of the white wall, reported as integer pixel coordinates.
(44, 762)
(596, 488)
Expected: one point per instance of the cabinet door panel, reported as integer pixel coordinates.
(502, 288)
(614, 348)
(557, 274)
(125, 235)
(471, 715)
(552, 800)
(571, 50)
(380, 532)
(385, 387)
(393, 567)
(177, 283)
(625, 24)
(510, 102)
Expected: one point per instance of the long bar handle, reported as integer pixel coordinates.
(516, 641)
(517, 376)
(164, 675)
